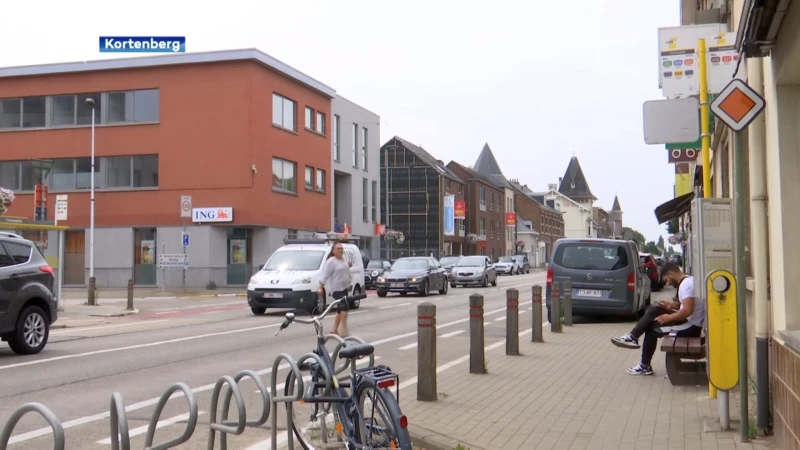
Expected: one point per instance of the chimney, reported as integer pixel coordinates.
(560, 180)
(440, 162)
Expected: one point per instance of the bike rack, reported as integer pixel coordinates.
(288, 399)
(119, 424)
(59, 441)
(190, 425)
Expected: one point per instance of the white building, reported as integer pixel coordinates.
(573, 197)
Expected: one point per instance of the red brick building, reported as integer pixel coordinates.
(485, 211)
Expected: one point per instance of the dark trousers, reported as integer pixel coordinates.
(651, 330)
(336, 296)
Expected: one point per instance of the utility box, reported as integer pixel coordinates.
(711, 239)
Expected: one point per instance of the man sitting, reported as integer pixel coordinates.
(683, 315)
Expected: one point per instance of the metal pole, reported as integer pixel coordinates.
(536, 314)
(60, 268)
(724, 411)
(183, 283)
(426, 352)
(477, 360)
(739, 265)
(512, 322)
(92, 285)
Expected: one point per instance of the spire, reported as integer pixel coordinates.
(616, 206)
(487, 165)
(574, 184)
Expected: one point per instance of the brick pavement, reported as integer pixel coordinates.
(571, 392)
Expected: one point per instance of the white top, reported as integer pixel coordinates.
(686, 290)
(335, 275)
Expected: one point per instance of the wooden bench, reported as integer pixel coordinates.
(682, 373)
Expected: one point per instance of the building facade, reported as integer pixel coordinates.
(355, 140)
(544, 218)
(615, 219)
(604, 225)
(222, 127)
(485, 212)
(487, 166)
(528, 243)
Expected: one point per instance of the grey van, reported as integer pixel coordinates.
(606, 274)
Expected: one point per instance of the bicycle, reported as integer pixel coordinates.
(368, 392)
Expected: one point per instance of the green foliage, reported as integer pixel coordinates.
(672, 226)
(652, 248)
(660, 243)
(629, 234)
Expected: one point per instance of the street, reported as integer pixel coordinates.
(140, 356)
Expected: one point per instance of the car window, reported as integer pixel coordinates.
(644, 259)
(20, 253)
(387, 264)
(592, 256)
(471, 261)
(5, 260)
(295, 260)
(375, 264)
(410, 264)
(505, 259)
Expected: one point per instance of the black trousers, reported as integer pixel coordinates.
(652, 331)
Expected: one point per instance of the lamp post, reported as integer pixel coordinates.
(92, 299)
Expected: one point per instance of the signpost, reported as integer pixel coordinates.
(671, 121)
(61, 214)
(185, 238)
(186, 211)
(173, 261)
(737, 105)
(682, 155)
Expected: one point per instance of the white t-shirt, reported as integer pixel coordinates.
(686, 290)
(336, 275)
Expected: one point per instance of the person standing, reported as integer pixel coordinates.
(336, 280)
(685, 313)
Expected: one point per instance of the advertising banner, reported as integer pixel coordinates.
(460, 210)
(449, 215)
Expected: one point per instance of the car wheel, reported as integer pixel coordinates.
(319, 305)
(453, 285)
(494, 282)
(31, 332)
(403, 294)
(426, 287)
(258, 310)
(381, 293)
(485, 281)
(355, 304)
(443, 290)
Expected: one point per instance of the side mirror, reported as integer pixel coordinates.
(260, 266)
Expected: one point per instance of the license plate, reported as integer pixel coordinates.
(589, 293)
(273, 295)
(397, 285)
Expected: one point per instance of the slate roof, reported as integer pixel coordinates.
(616, 206)
(427, 158)
(478, 176)
(487, 165)
(537, 197)
(574, 184)
(525, 226)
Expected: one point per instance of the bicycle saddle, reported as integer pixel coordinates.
(356, 351)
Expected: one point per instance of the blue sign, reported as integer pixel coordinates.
(449, 215)
(185, 239)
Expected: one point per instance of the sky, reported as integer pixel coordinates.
(539, 81)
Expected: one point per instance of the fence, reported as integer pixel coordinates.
(120, 439)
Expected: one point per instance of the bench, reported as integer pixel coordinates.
(682, 373)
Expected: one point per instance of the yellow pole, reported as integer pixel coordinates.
(705, 138)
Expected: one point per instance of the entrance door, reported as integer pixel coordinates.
(240, 263)
(75, 258)
(144, 257)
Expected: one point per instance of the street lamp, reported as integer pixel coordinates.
(90, 101)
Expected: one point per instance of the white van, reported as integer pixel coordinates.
(290, 278)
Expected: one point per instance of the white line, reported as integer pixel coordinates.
(454, 333)
(159, 424)
(500, 319)
(386, 307)
(73, 330)
(403, 304)
(210, 312)
(408, 347)
(486, 323)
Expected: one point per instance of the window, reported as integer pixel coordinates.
(138, 106)
(83, 171)
(364, 149)
(364, 193)
(19, 252)
(118, 171)
(10, 113)
(336, 138)
(283, 112)
(309, 177)
(320, 180)
(63, 110)
(309, 118)
(283, 175)
(62, 175)
(145, 171)
(374, 202)
(319, 125)
(482, 226)
(591, 256)
(491, 201)
(354, 149)
(482, 194)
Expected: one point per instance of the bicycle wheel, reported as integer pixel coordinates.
(384, 424)
(312, 423)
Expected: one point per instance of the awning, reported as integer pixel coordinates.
(676, 207)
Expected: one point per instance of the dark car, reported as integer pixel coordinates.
(413, 274)
(27, 304)
(374, 269)
(448, 262)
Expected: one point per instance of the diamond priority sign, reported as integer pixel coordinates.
(737, 105)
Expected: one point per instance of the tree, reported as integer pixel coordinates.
(652, 248)
(630, 234)
(660, 243)
(672, 226)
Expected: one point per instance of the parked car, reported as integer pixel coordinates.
(676, 259)
(473, 270)
(506, 265)
(606, 275)
(415, 274)
(652, 270)
(27, 305)
(524, 264)
(448, 262)
(375, 268)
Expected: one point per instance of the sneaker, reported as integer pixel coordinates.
(640, 369)
(626, 341)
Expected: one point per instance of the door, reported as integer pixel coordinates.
(74, 265)
(8, 287)
(435, 275)
(239, 260)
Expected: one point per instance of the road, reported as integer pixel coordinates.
(141, 356)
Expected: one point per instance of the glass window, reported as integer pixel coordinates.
(354, 148)
(336, 138)
(28, 177)
(320, 123)
(120, 107)
(591, 256)
(9, 175)
(364, 193)
(309, 118)
(83, 172)
(118, 171)
(283, 175)
(364, 148)
(84, 110)
(295, 260)
(63, 110)
(33, 112)
(145, 255)
(320, 180)
(283, 112)
(145, 171)
(309, 177)
(10, 113)
(20, 253)
(62, 176)
(146, 105)
(375, 202)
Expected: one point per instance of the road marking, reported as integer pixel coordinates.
(386, 307)
(454, 333)
(159, 424)
(486, 323)
(408, 347)
(73, 330)
(500, 319)
(403, 304)
(210, 312)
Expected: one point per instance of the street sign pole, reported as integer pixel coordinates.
(705, 134)
(183, 233)
(186, 211)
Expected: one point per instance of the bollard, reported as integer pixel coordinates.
(555, 308)
(92, 291)
(477, 359)
(130, 295)
(566, 305)
(426, 352)
(536, 312)
(512, 322)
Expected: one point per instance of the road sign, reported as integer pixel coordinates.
(185, 238)
(167, 261)
(737, 105)
(684, 155)
(671, 121)
(380, 229)
(186, 206)
(61, 207)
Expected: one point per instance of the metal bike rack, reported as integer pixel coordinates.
(226, 403)
(59, 440)
(288, 399)
(190, 424)
(119, 424)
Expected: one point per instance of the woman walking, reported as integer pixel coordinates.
(336, 280)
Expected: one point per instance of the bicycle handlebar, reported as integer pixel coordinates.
(291, 317)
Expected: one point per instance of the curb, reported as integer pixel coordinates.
(431, 440)
(117, 314)
(187, 297)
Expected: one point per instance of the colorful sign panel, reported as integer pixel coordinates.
(449, 215)
(511, 218)
(461, 210)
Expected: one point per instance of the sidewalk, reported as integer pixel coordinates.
(76, 295)
(570, 392)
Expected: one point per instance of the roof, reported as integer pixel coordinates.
(427, 158)
(532, 195)
(250, 54)
(574, 184)
(487, 165)
(478, 176)
(526, 226)
(616, 206)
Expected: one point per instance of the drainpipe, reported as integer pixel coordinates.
(759, 245)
